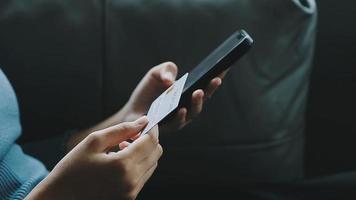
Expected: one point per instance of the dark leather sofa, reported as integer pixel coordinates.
(331, 127)
(73, 63)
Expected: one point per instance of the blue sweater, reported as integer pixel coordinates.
(19, 173)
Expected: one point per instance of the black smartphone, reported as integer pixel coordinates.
(164, 107)
(225, 55)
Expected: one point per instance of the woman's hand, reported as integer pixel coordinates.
(156, 81)
(93, 171)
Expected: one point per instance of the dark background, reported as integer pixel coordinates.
(331, 122)
(331, 129)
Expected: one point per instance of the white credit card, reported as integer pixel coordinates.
(165, 103)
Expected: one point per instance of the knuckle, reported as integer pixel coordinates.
(94, 139)
(125, 126)
(155, 166)
(160, 150)
(170, 64)
(154, 69)
(154, 139)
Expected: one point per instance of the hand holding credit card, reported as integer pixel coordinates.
(179, 94)
(166, 103)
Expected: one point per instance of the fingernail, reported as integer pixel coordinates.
(218, 81)
(168, 76)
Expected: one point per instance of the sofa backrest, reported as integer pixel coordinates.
(52, 52)
(331, 127)
(76, 62)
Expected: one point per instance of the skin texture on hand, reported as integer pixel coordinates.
(93, 171)
(156, 81)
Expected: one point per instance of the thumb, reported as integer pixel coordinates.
(114, 135)
(166, 73)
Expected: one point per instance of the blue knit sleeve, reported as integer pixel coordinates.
(19, 173)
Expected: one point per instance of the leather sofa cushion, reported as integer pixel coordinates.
(53, 54)
(254, 125)
(74, 62)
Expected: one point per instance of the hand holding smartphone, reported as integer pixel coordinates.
(179, 94)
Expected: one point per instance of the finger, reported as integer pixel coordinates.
(178, 121)
(124, 144)
(223, 74)
(168, 73)
(152, 158)
(144, 178)
(143, 146)
(154, 133)
(114, 135)
(165, 73)
(135, 137)
(212, 87)
(196, 104)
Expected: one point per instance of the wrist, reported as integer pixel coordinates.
(43, 191)
(126, 114)
(122, 115)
